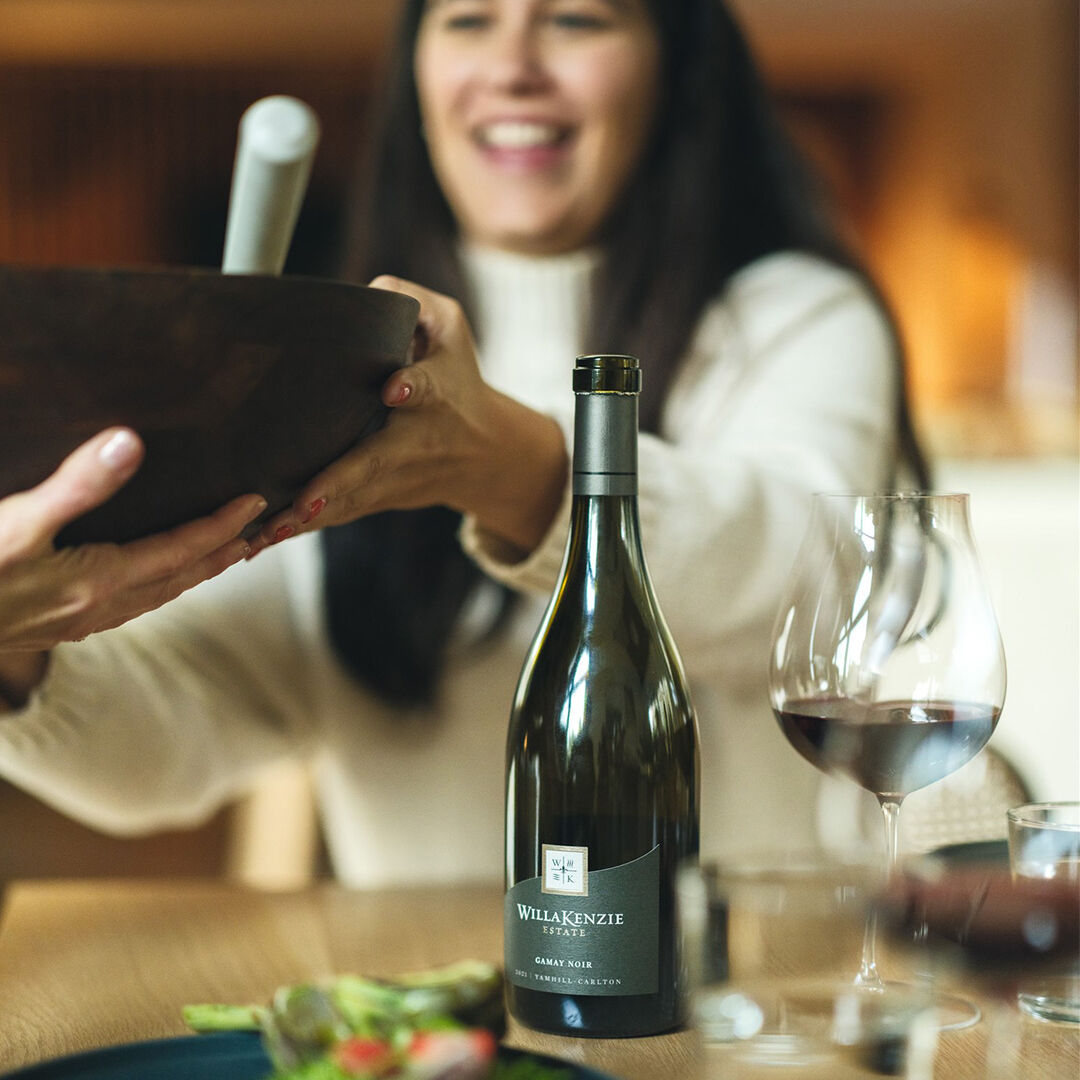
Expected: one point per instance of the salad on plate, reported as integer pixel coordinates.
(442, 1024)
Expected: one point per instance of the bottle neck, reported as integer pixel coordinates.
(605, 444)
(604, 518)
(605, 532)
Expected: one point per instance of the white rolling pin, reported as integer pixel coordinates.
(274, 152)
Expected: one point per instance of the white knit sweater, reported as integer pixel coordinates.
(789, 388)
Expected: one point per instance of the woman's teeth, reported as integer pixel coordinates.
(519, 135)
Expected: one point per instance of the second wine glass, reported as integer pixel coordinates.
(887, 665)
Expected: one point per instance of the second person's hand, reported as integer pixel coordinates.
(451, 440)
(49, 595)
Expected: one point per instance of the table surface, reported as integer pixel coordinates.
(85, 964)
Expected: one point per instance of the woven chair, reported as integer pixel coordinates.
(965, 807)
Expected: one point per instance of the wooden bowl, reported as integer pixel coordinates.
(236, 383)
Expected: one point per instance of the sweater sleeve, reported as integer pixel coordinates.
(789, 388)
(156, 723)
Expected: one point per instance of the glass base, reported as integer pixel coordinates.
(954, 1013)
(950, 1012)
(1055, 998)
(836, 1028)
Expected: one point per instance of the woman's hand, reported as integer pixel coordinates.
(49, 595)
(451, 440)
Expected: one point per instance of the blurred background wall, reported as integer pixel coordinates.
(946, 129)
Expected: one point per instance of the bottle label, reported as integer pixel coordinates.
(573, 930)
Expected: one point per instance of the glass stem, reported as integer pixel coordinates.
(868, 976)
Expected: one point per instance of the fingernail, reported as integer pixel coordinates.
(284, 533)
(403, 394)
(257, 507)
(314, 509)
(120, 450)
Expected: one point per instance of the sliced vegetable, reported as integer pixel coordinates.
(205, 1018)
(362, 1057)
(450, 1055)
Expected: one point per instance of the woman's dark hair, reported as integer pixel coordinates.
(720, 185)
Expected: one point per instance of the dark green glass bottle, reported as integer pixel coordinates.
(602, 760)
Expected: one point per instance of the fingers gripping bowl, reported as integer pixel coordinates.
(236, 383)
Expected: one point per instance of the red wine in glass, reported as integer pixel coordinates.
(891, 748)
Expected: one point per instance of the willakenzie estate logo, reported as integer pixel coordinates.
(566, 870)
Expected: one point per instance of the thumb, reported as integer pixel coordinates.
(87, 477)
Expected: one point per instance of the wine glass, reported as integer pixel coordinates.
(887, 665)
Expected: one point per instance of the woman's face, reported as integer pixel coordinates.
(535, 112)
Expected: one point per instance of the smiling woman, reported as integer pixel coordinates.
(547, 177)
(535, 113)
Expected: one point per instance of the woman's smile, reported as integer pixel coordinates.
(524, 145)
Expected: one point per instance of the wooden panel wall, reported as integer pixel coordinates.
(132, 165)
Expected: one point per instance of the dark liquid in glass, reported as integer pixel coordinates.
(888, 747)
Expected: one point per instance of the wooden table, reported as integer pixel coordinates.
(89, 964)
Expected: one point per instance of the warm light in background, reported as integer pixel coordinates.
(962, 178)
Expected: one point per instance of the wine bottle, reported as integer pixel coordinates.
(602, 759)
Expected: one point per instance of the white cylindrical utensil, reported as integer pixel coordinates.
(274, 152)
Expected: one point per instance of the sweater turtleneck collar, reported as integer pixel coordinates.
(524, 300)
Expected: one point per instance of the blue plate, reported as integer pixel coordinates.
(221, 1056)
(233, 1055)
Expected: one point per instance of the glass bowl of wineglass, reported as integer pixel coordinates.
(887, 666)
